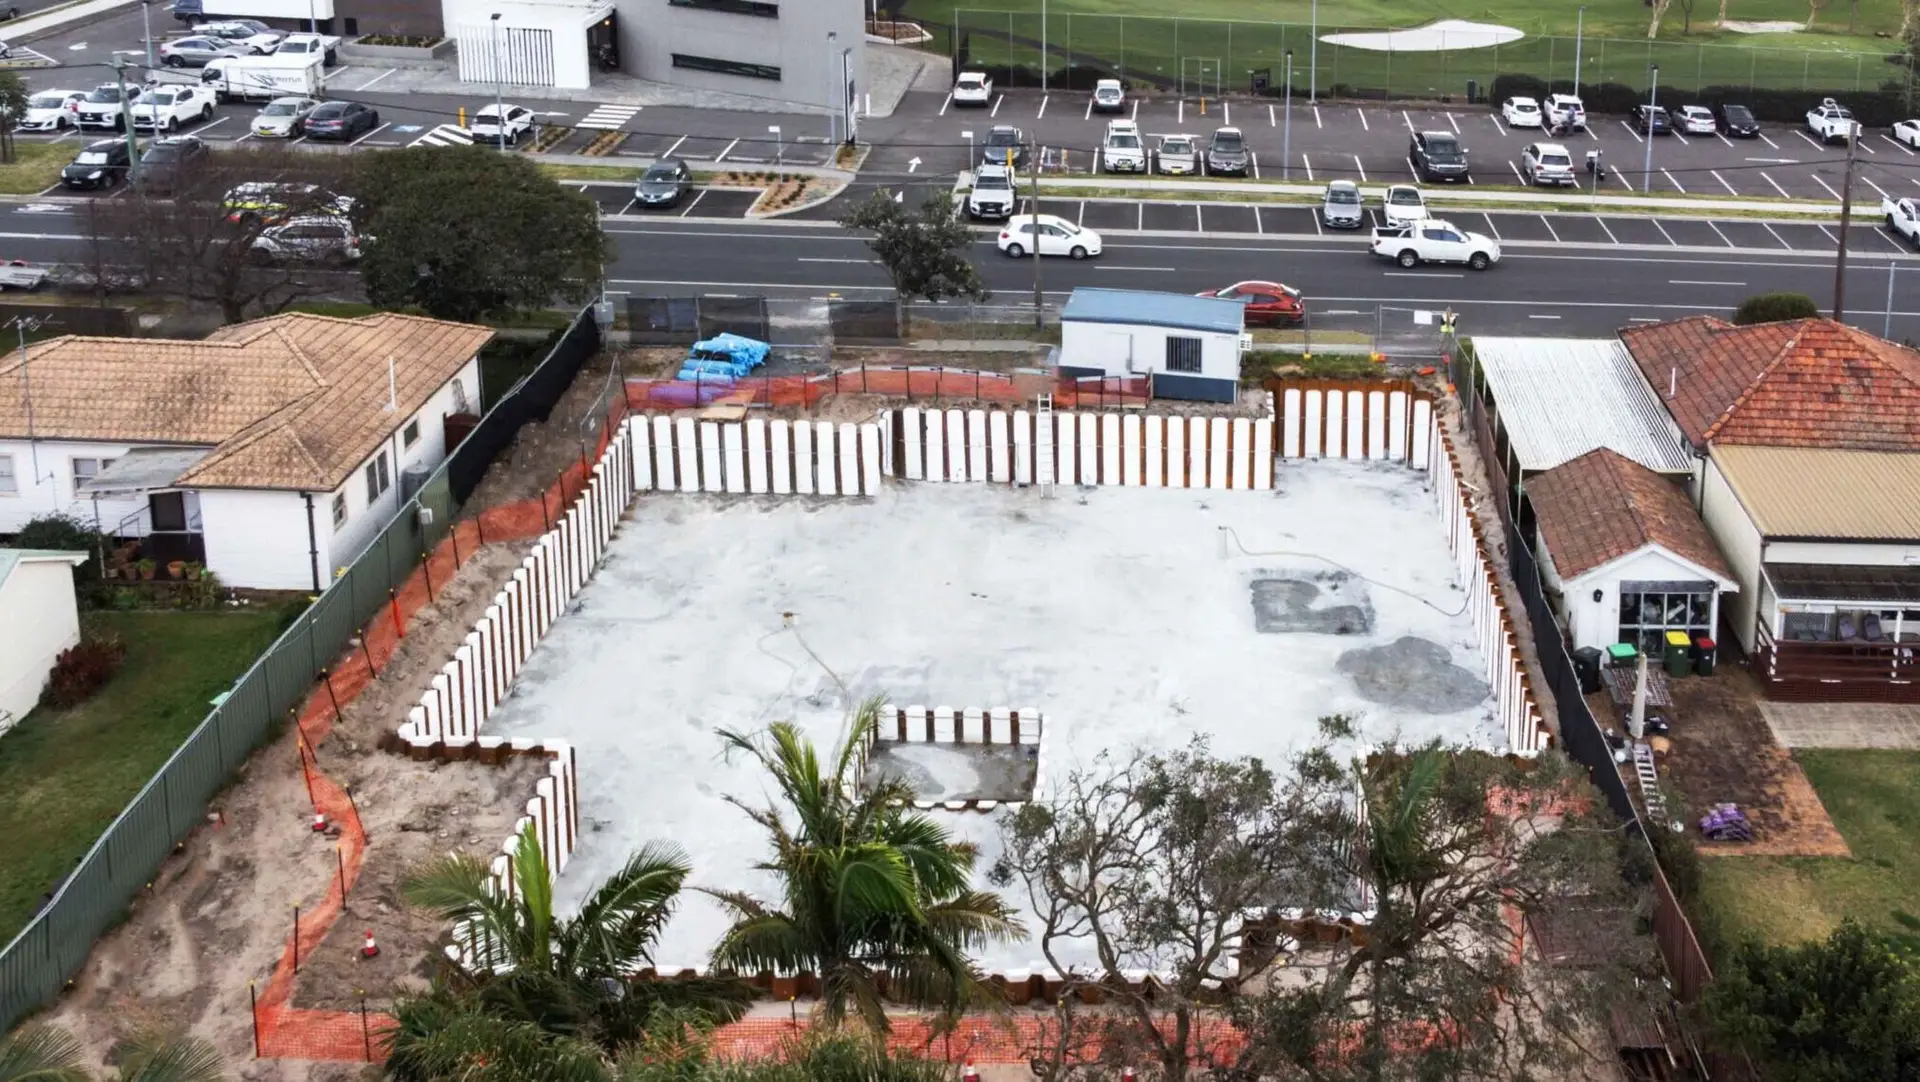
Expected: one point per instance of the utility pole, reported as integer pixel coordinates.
(1846, 215)
(1286, 132)
(833, 114)
(499, 96)
(1313, 57)
(146, 21)
(1033, 187)
(1043, 46)
(126, 120)
(1893, 267)
(1653, 100)
(1579, 25)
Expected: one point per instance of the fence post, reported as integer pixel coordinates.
(253, 1010)
(296, 939)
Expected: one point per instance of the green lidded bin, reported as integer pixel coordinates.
(1622, 654)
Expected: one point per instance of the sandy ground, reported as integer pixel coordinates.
(544, 448)
(221, 909)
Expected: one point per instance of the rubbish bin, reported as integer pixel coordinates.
(1679, 654)
(1586, 665)
(1622, 655)
(1473, 91)
(1703, 653)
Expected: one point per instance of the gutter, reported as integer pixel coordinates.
(313, 542)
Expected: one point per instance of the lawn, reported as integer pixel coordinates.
(1874, 798)
(35, 167)
(64, 775)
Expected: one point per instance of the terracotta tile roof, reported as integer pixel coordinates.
(293, 401)
(1601, 506)
(1802, 383)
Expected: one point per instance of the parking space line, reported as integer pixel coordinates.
(1140, 218)
(1497, 124)
(1776, 236)
(1869, 183)
(1308, 164)
(1723, 138)
(1316, 117)
(997, 99)
(1776, 186)
(1199, 220)
(1548, 222)
(1682, 138)
(1723, 181)
(722, 156)
(1319, 232)
(1408, 119)
(1621, 176)
(1888, 238)
(1903, 147)
(1811, 141)
(1253, 160)
(1516, 172)
(1088, 115)
(1868, 147)
(628, 207)
(1722, 236)
(244, 138)
(668, 153)
(1455, 123)
(1491, 228)
(1362, 168)
(1081, 215)
(53, 189)
(1135, 115)
(1769, 142)
(1670, 180)
(1829, 234)
(1827, 186)
(1226, 113)
(1630, 131)
(214, 123)
(697, 197)
(1258, 225)
(1608, 232)
(1363, 119)
(949, 101)
(1043, 106)
(1663, 231)
(1272, 122)
(371, 134)
(1182, 105)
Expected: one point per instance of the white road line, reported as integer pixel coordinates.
(1258, 225)
(1603, 228)
(1829, 234)
(371, 134)
(1411, 168)
(1080, 216)
(1491, 228)
(1888, 238)
(1455, 123)
(1776, 236)
(1621, 176)
(1363, 119)
(1497, 124)
(375, 79)
(1868, 147)
(1682, 138)
(1670, 180)
(1421, 274)
(630, 205)
(828, 259)
(668, 153)
(1776, 186)
(1088, 115)
(1700, 282)
(1516, 172)
(1630, 131)
(1111, 267)
(1362, 168)
(217, 121)
(1663, 231)
(1135, 116)
(1769, 142)
(1722, 236)
(1272, 121)
(1531, 316)
(949, 101)
(1866, 180)
(1199, 220)
(1317, 230)
(1723, 182)
(1182, 106)
(1226, 113)
(1253, 159)
(1827, 186)
(1811, 141)
(1316, 117)
(1903, 147)
(1309, 166)
(995, 111)
(697, 197)
(1043, 106)
(1723, 138)
(722, 156)
(242, 139)
(1550, 230)
(1408, 119)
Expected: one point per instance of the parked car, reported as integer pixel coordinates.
(1177, 156)
(973, 88)
(52, 110)
(98, 165)
(341, 120)
(501, 123)
(104, 107)
(1108, 97)
(1341, 206)
(283, 118)
(1908, 132)
(1047, 234)
(1227, 153)
(1903, 217)
(664, 184)
(1652, 120)
(1122, 150)
(1004, 146)
(1695, 120)
(169, 164)
(1520, 112)
(1567, 111)
(1547, 163)
(1434, 240)
(1268, 304)
(272, 201)
(993, 194)
(195, 52)
(1737, 121)
(1437, 155)
(312, 238)
(324, 46)
(252, 35)
(1403, 205)
(1831, 121)
(167, 106)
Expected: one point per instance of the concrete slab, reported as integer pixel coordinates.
(1844, 725)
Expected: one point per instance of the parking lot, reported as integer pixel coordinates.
(1368, 143)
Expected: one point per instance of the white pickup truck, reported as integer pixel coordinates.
(1123, 152)
(1831, 121)
(19, 274)
(322, 45)
(1433, 240)
(1903, 217)
(167, 106)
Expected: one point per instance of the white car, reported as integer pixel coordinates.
(1831, 121)
(256, 38)
(322, 45)
(103, 108)
(1908, 132)
(1047, 235)
(1108, 97)
(1903, 217)
(1435, 241)
(1567, 109)
(282, 117)
(1123, 152)
(1547, 163)
(166, 107)
(973, 88)
(313, 238)
(1403, 205)
(993, 195)
(1695, 120)
(1520, 112)
(52, 110)
(1177, 156)
(489, 125)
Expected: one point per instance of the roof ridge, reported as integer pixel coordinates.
(1786, 349)
(300, 355)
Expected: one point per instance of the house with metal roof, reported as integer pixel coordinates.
(1189, 347)
(38, 619)
(271, 451)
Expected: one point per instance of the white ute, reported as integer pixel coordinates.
(1433, 240)
(1123, 152)
(992, 195)
(1903, 217)
(1831, 121)
(164, 108)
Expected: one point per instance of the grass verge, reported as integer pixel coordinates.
(1872, 796)
(35, 167)
(65, 774)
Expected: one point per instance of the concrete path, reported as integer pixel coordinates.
(46, 22)
(1844, 725)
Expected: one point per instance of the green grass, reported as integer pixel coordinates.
(35, 167)
(64, 775)
(1874, 798)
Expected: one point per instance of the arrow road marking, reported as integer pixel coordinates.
(912, 164)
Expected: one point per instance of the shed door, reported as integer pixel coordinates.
(516, 55)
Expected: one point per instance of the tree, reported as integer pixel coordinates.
(466, 233)
(543, 985)
(1847, 1008)
(51, 1055)
(13, 106)
(1774, 308)
(41, 1054)
(924, 252)
(876, 899)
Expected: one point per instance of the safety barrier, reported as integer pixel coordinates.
(945, 725)
(757, 456)
(1379, 421)
(925, 382)
(1150, 450)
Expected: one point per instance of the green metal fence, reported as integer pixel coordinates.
(1210, 56)
(38, 962)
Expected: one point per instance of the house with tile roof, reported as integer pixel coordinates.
(1627, 553)
(272, 451)
(1807, 435)
(39, 618)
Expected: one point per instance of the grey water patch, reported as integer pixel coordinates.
(1313, 602)
(956, 771)
(1413, 674)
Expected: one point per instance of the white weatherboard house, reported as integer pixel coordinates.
(38, 619)
(273, 451)
(1188, 346)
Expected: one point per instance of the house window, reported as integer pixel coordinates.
(732, 7)
(378, 479)
(411, 434)
(1183, 354)
(727, 67)
(9, 485)
(86, 469)
(1648, 610)
(339, 510)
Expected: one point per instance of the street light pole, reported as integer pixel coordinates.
(1653, 98)
(499, 96)
(1286, 131)
(779, 147)
(126, 121)
(833, 113)
(1043, 46)
(1313, 56)
(146, 22)
(1579, 26)
(1893, 267)
(1033, 174)
(1846, 216)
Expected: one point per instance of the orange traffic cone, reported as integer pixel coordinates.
(319, 823)
(1126, 1074)
(968, 1074)
(372, 949)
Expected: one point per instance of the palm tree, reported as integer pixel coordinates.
(876, 899)
(43, 1054)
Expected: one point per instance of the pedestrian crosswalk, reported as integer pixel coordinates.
(445, 135)
(609, 117)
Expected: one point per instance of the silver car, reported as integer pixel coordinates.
(282, 118)
(1340, 207)
(196, 52)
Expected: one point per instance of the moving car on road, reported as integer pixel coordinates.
(1108, 97)
(316, 238)
(166, 107)
(1520, 112)
(272, 201)
(169, 164)
(1341, 206)
(1652, 120)
(1122, 151)
(52, 110)
(1908, 132)
(283, 118)
(1696, 120)
(1547, 163)
(489, 125)
(1004, 147)
(973, 88)
(1435, 241)
(1047, 234)
(1831, 121)
(1403, 205)
(1737, 121)
(1268, 304)
(104, 107)
(1177, 156)
(196, 52)
(1227, 154)
(664, 184)
(1437, 155)
(98, 165)
(1903, 217)
(341, 120)
(1567, 111)
(993, 194)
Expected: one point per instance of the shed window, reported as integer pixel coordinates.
(1648, 610)
(378, 478)
(86, 469)
(410, 435)
(1183, 354)
(339, 510)
(732, 7)
(9, 484)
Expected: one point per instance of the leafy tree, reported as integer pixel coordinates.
(1774, 308)
(1844, 1009)
(43, 1054)
(875, 896)
(467, 233)
(13, 106)
(925, 251)
(816, 1056)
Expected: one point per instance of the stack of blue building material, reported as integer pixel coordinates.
(723, 359)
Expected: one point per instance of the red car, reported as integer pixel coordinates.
(1268, 303)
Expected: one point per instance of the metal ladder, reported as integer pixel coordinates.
(1649, 783)
(1043, 468)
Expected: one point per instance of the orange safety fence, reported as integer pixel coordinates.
(912, 383)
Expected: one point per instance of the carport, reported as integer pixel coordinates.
(537, 43)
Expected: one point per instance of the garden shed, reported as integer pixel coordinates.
(1188, 346)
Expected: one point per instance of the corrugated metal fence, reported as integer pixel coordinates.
(38, 962)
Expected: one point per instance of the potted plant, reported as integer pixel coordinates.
(146, 569)
(176, 569)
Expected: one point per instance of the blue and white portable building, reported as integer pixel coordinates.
(1189, 346)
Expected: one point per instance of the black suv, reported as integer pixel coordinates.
(98, 165)
(1652, 120)
(1738, 121)
(1437, 155)
(169, 164)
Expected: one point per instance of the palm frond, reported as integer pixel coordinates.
(619, 924)
(533, 893)
(154, 1058)
(41, 1054)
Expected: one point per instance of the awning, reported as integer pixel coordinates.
(1562, 397)
(143, 469)
(1828, 582)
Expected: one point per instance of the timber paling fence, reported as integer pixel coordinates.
(55, 943)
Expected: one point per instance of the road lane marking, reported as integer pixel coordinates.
(1455, 123)
(1273, 122)
(945, 103)
(1621, 176)
(1497, 124)
(1868, 147)
(829, 259)
(1491, 228)
(1080, 216)
(1111, 267)
(1408, 119)
(371, 134)
(697, 197)
(668, 153)
(1829, 234)
(1663, 231)
(1778, 237)
(1815, 144)
(1423, 274)
(1199, 221)
(1608, 232)
(1088, 115)
(1682, 138)
(1362, 168)
(1542, 317)
(1903, 147)
(1135, 116)
(1776, 186)
(375, 79)
(1226, 113)
(1140, 219)
(1670, 180)
(722, 156)
(1630, 131)
(1182, 106)
(1316, 117)
(1253, 159)
(1824, 184)
(1309, 166)
(1869, 183)
(1516, 171)
(1043, 107)
(1722, 236)
(1363, 119)
(1700, 282)
(1723, 138)
(1723, 181)
(1258, 225)
(1550, 230)
(997, 99)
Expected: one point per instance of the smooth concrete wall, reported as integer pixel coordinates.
(651, 31)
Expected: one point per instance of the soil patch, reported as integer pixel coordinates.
(544, 448)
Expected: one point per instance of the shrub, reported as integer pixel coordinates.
(66, 534)
(1774, 307)
(82, 670)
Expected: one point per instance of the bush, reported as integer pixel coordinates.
(82, 670)
(1775, 307)
(66, 534)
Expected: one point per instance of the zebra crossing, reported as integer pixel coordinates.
(444, 135)
(608, 117)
